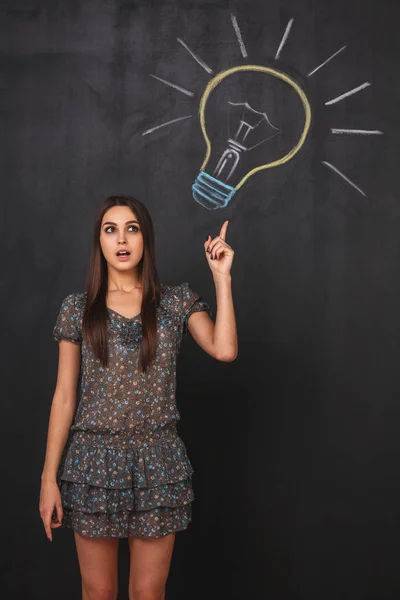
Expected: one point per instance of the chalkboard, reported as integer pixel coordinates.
(295, 444)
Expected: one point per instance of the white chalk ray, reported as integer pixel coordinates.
(326, 62)
(349, 93)
(357, 131)
(285, 37)
(343, 176)
(165, 124)
(196, 58)
(173, 85)
(239, 36)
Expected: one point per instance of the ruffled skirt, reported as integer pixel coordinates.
(113, 485)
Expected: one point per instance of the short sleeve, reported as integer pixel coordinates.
(191, 302)
(67, 323)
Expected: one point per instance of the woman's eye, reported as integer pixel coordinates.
(111, 228)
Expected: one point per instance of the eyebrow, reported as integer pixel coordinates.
(112, 223)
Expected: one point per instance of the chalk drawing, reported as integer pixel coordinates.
(285, 37)
(326, 62)
(357, 131)
(246, 105)
(196, 58)
(208, 189)
(343, 176)
(164, 124)
(211, 188)
(173, 85)
(239, 36)
(350, 93)
(238, 143)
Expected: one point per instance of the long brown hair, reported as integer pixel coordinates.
(95, 317)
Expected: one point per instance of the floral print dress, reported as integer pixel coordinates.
(124, 470)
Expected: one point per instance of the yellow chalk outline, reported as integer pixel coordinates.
(217, 80)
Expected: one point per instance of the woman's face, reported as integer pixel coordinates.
(120, 231)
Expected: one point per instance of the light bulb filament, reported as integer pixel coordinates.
(229, 159)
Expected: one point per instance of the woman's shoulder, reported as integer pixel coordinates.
(183, 300)
(80, 300)
(172, 295)
(174, 289)
(80, 296)
(75, 301)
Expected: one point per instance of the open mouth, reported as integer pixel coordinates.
(123, 253)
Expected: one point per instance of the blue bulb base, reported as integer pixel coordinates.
(210, 192)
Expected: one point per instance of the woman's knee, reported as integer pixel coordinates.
(99, 590)
(147, 593)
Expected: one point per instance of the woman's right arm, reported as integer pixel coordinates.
(62, 412)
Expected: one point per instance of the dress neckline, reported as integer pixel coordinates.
(163, 288)
(123, 316)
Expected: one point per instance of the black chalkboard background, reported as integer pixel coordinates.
(295, 444)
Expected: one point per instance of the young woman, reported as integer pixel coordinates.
(116, 467)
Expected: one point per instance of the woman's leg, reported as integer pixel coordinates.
(149, 567)
(98, 563)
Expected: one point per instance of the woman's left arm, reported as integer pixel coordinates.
(218, 339)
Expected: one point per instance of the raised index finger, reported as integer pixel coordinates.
(224, 227)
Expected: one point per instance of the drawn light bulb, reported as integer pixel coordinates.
(214, 186)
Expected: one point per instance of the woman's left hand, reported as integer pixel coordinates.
(219, 254)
